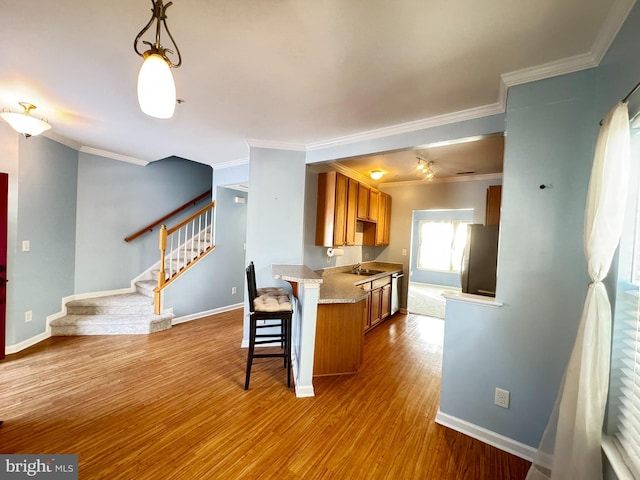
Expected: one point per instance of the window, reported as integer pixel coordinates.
(624, 395)
(441, 245)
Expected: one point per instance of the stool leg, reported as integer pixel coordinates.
(287, 350)
(252, 342)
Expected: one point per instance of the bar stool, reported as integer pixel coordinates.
(273, 305)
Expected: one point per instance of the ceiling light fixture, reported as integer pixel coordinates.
(426, 168)
(376, 174)
(156, 88)
(24, 123)
(430, 173)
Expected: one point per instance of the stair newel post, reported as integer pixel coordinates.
(162, 278)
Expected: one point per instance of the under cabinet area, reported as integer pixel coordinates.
(342, 203)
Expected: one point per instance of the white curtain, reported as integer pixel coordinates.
(576, 423)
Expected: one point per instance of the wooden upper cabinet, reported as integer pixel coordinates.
(352, 207)
(374, 198)
(494, 199)
(383, 229)
(363, 202)
(386, 235)
(340, 214)
(336, 210)
(342, 201)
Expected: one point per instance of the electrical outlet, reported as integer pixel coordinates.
(502, 398)
(234, 290)
(28, 316)
(26, 245)
(404, 252)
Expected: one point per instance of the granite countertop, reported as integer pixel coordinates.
(341, 286)
(295, 273)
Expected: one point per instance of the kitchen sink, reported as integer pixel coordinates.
(366, 272)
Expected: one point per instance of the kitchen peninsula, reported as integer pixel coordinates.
(353, 299)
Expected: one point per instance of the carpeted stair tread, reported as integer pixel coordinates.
(109, 324)
(132, 303)
(145, 287)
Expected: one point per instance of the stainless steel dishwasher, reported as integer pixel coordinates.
(396, 283)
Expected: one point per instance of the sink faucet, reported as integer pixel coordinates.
(357, 268)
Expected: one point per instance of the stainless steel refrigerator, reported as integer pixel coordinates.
(480, 259)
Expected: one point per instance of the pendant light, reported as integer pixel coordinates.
(156, 88)
(24, 123)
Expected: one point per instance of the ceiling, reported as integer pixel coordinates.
(286, 73)
(463, 159)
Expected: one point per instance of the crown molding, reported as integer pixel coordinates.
(259, 143)
(616, 18)
(62, 140)
(548, 70)
(350, 173)
(465, 178)
(230, 163)
(448, 118)
(113, 156)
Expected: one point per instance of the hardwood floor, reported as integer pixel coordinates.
(171, 405)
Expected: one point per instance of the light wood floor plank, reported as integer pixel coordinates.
(172, 405)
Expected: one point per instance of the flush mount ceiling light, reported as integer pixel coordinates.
(156, 88)
(376, 174)
(24, 123)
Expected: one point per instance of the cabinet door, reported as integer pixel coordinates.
(375, 307)
(352, 207)
(494, 198)
(374, 196)
(363, 202)
(386, 235)
(367, 312)
(385, 302)
(340, 216)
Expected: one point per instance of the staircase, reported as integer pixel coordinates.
(121, 314)
(138, 311)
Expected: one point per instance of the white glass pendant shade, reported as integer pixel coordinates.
(156, 88)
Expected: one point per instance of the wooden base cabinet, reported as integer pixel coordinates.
(339, 338)
(379, 301)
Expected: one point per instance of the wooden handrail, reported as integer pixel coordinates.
(192, 217)
(150, 227)
(165, 280)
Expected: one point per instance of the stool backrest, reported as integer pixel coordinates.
(251, 286)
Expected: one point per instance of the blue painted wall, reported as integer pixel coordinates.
(275, 213)
(208, 284)
(542, 281)
(42, 197)
(116, 199)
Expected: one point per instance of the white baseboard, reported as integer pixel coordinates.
(501, 442)
(9, 349)
(206, 313)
